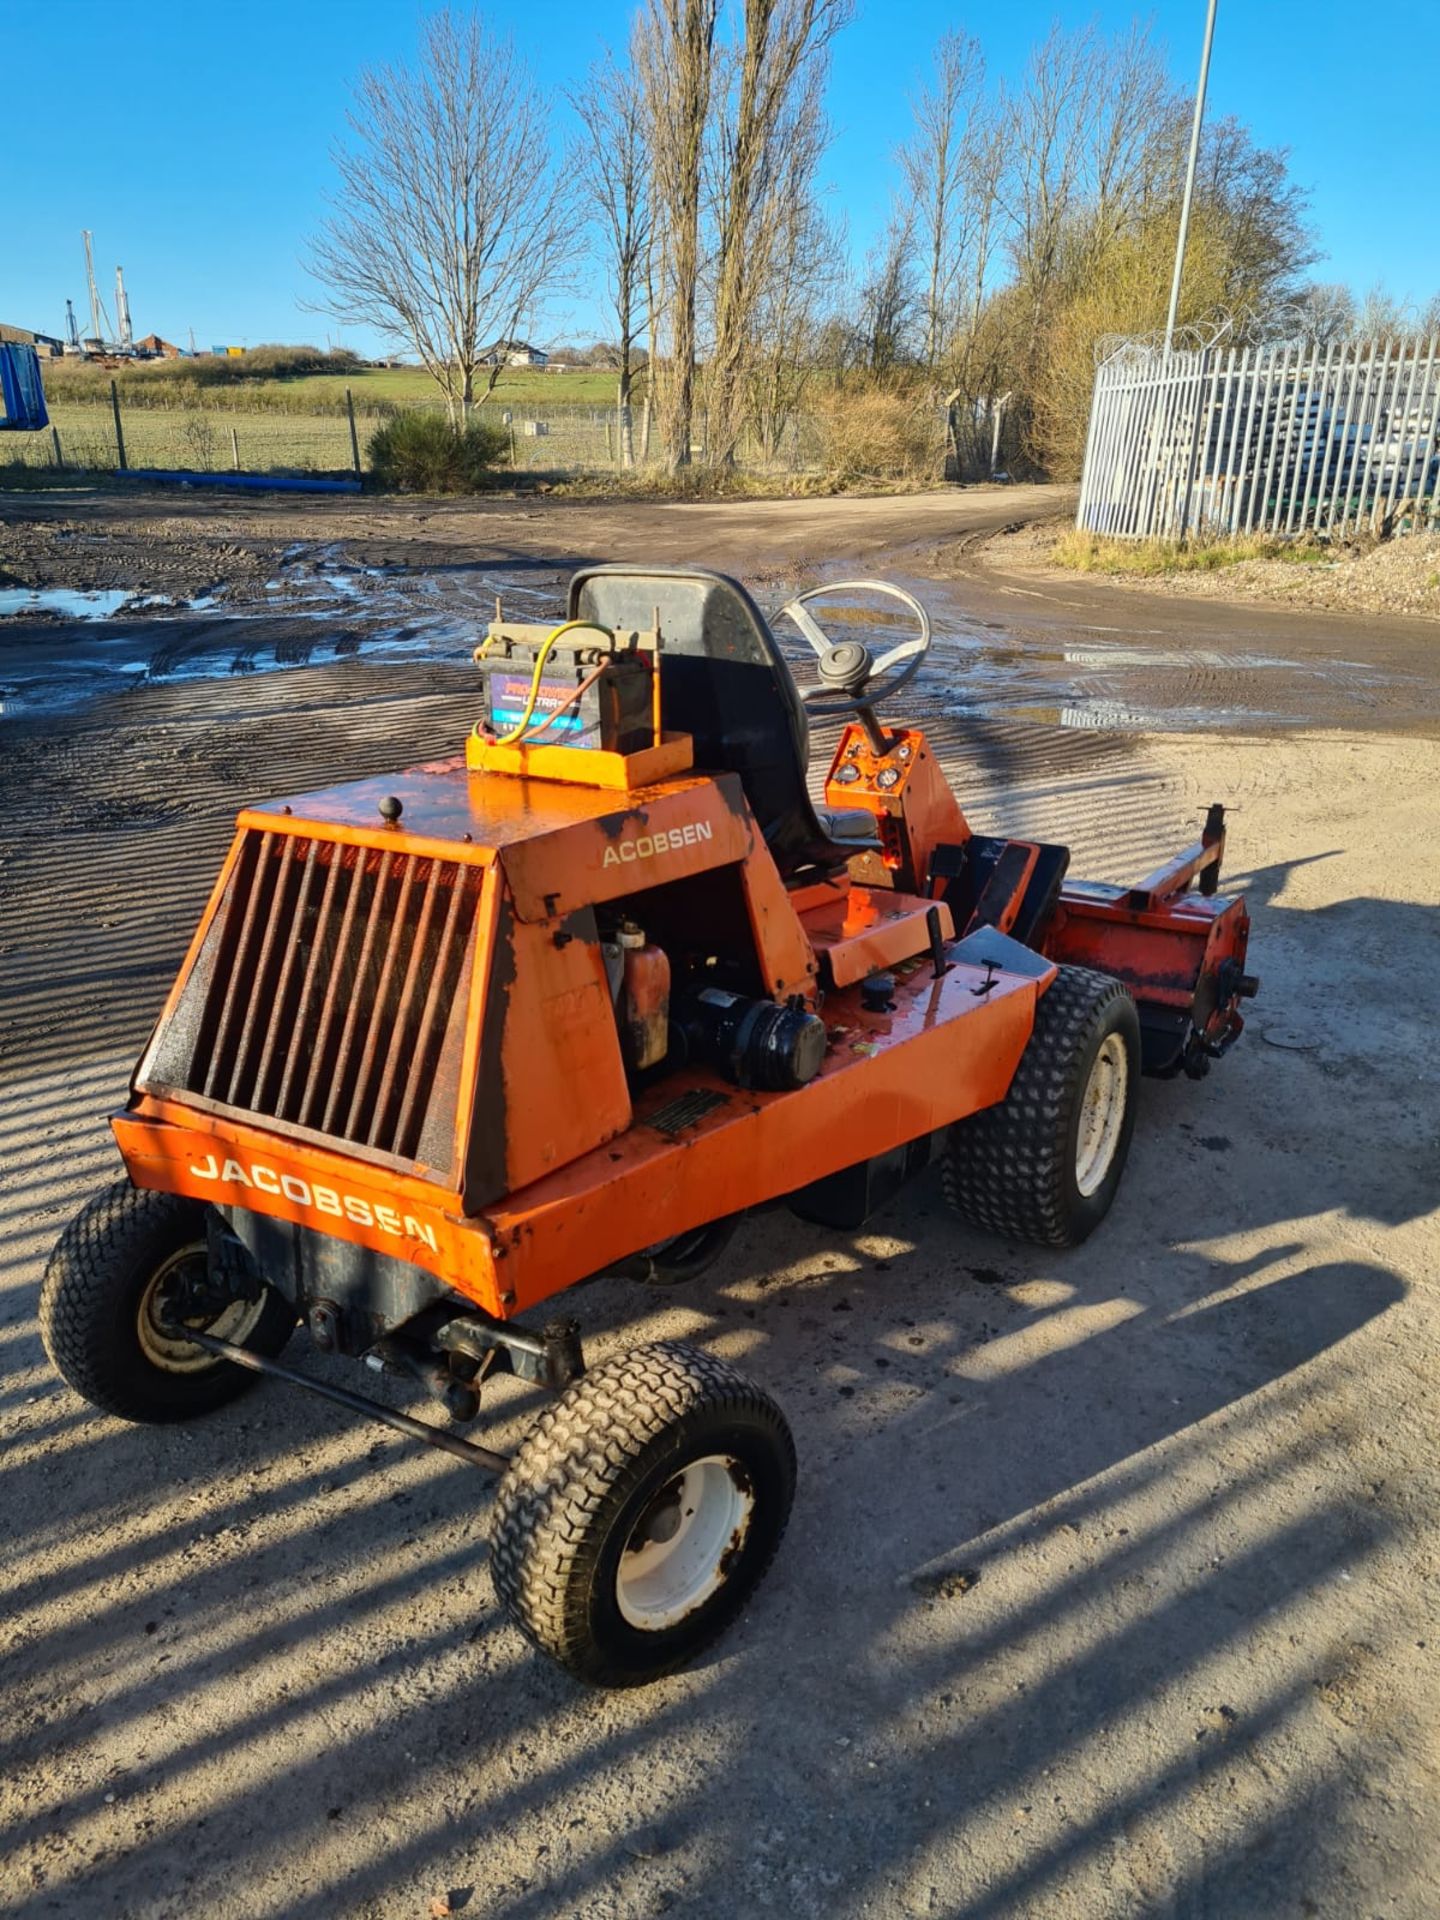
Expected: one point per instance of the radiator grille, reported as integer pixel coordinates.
(329, 988)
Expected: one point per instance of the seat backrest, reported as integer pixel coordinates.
(723, 681)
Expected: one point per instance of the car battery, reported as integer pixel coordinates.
(590, 695)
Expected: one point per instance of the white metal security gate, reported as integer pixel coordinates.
(1269, 440)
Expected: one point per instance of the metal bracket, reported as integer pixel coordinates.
(466, 1450)
(550, 1359)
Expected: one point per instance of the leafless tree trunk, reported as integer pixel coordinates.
(886, 320)
(934, 165)
(614, 183)
(450, 224)
(773, 99)
(785, 346)
(676, 43)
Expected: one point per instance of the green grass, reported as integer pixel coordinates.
(1093, 553)
(376, 389)
(194, 438)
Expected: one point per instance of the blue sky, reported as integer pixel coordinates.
(194, 139)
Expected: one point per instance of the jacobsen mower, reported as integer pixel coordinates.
(448, 1042)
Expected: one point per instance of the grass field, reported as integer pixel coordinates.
(374, 388)
(575, 437)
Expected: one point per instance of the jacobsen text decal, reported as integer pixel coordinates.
(667, 840)
(302, 1193)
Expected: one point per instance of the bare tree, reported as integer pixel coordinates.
(614, 181)
(676, 43)
(772, 100)
(885, 325)
(786, 346)
(450, 224)
(936, 164)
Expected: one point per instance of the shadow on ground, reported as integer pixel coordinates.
(1076, 1613)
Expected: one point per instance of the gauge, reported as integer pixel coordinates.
(847, 774)
(887, 777)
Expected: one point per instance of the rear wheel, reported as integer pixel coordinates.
(120, 1274)
(641, 1512)
(1045, 1164)
(685, 1256)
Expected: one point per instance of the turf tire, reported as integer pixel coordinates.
(1012, 1168)
(586, 1473)
(91, 1299)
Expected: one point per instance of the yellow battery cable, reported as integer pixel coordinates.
(567, 626)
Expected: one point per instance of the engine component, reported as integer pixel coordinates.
(752, 1042)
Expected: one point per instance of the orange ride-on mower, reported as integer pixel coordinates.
(448, 1042)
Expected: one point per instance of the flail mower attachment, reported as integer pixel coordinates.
(573, 1002)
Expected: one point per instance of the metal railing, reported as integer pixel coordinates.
(1264, 440)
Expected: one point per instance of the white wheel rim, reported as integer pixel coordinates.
(1102, 1115)
(168, 1350)
(684, 1545)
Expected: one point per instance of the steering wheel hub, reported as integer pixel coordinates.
(846, 666)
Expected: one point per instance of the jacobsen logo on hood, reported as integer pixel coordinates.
(645, 846)
(304, 1193)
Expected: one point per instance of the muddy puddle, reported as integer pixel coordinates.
(62, 649)
(64, 603)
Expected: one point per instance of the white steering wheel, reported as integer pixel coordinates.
(849, 678)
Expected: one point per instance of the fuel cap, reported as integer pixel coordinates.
(877, 994)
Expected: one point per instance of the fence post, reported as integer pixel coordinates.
(235, 448)
(354, 437)
(55, 436)
(1202, 412)
(119, 430)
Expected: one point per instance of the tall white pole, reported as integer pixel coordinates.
(95, 331)
(1190, 177)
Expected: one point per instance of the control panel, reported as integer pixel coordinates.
(893, 775)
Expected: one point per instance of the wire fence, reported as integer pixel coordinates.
(117, 435)
(1264, 440)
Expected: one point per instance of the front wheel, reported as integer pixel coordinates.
(1044, 1165)
(641, 1513)
(124, 1261)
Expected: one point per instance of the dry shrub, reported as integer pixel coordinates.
(881, 435)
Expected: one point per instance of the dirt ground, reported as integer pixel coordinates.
(1112, 1584)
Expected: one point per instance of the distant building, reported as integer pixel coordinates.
(513, 353)
(154, 348)
(44, 344)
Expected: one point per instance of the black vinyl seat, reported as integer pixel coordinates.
(725, 683)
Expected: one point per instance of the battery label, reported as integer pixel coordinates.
(510, 694)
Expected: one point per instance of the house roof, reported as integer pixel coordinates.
(27, 336)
